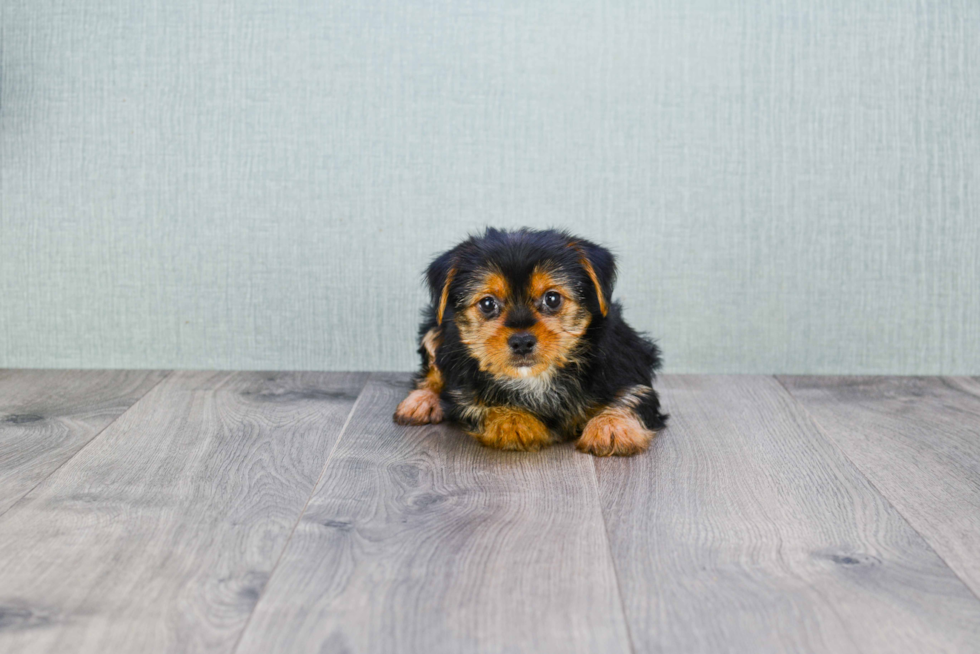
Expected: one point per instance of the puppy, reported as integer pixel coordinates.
(523, 347)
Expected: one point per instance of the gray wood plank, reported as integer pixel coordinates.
(46, 416)
(160, 535)
(420, 540)
(745, 529)
(918, 440)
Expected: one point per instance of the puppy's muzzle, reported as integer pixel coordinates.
(522, 343)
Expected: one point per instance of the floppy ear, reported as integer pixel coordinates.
(440, 277)
(600, 265)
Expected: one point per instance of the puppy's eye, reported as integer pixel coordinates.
(488, 305)
(552, 300)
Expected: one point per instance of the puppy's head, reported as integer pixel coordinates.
(522, 300)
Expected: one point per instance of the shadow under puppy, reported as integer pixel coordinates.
(523, 347)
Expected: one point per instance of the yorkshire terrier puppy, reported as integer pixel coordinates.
(523, 347)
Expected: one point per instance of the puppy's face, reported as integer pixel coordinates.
(522, 300)
(518, 324)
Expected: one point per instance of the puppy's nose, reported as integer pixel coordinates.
(522, 343)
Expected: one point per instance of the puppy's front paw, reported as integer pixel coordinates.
(505, 428)
(421, 407)
(614, 432)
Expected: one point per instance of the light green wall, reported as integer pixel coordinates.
(791, 186)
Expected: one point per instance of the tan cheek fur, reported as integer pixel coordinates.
(486, 340)
(559, 334)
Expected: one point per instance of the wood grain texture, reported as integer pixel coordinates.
(420, 540)
(46, 416)
(745, 529)
(160, 535)
(918, 441)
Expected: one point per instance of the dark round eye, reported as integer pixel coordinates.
(488, 305)
(552, 300)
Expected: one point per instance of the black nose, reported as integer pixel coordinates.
(522, 343)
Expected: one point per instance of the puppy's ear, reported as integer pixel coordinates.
(600, 265)
(440, 277)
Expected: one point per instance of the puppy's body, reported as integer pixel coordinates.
(522, 348)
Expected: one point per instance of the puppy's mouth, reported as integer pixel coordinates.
(524, 364)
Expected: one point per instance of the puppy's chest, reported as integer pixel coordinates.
(542, 395)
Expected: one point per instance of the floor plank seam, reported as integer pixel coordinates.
(947, 381)
(823, 432)
(299, 519)
(612, 559)
(61, 465)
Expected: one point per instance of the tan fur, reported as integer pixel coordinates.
(422, 406)
(557, 334)
(541, 282)
(509, 428)
(444, 298)
(590, 271)
(631, 397)
(431, 342)
(493, 283)
(616, 430)
(433, 379)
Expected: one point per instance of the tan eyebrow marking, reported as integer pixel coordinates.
(493, 283)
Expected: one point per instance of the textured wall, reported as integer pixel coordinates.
(791, 186)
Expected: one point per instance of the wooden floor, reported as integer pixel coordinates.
(284, 512)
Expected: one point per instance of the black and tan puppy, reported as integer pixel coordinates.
(523, 347)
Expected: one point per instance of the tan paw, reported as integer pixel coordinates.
(421, 407)
(614, 432)
(506, 428)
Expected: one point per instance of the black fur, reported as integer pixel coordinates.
(613, 356)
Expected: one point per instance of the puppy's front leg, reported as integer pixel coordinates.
(614, 431)
(422, 405)
(618, 429)
(510, 428)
